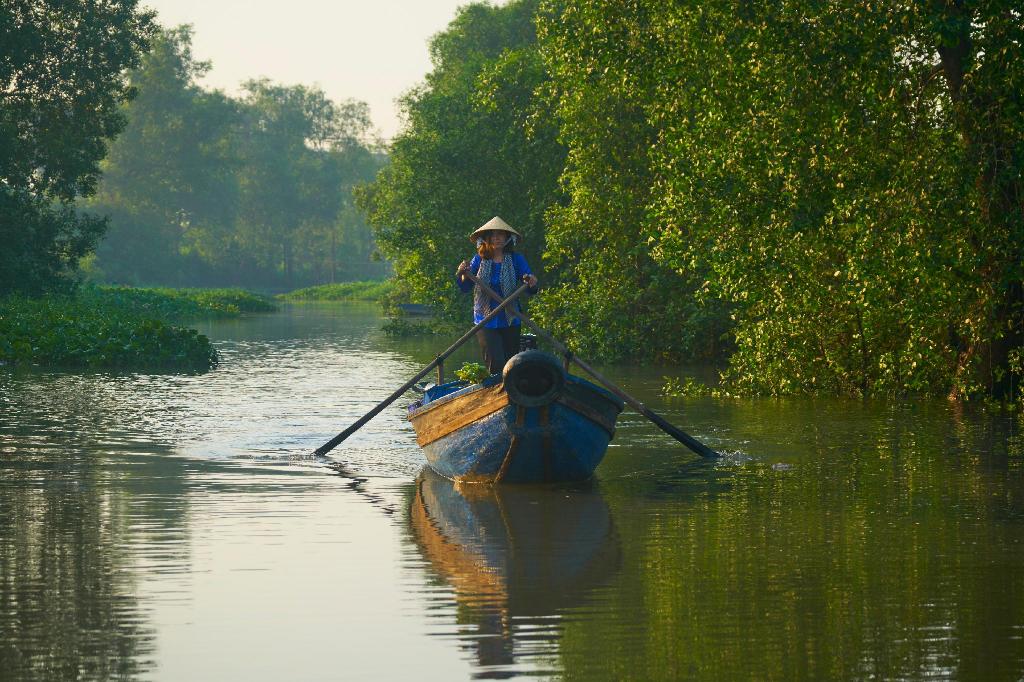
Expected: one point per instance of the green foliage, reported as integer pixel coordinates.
(685, 387)
(177, 304)
(96, 331)
(478, 142)
(839, 179)
(482, 140)
(345, 291)
(54, 121)
(62, 68)
(43, 240)
(231, 300)
(170, 174)
(473, 372)
(1015, 369)
(118, 327)
(210, 189)
(613, 298)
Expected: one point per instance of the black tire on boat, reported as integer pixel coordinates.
(533, 378)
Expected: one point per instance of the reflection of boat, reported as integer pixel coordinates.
(511, 552)
(532, 423)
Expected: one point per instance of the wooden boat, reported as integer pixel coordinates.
(532, 423)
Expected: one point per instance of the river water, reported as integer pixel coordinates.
(170, 527)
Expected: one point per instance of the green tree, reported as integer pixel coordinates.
(202, 188)
(614, 297)
(299, 154)
(169, 183)
(844, 177)
(62, 68)
(478, 142)
(342, 247)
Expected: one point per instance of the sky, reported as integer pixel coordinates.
(369, 50)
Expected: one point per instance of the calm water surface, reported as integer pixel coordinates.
(172, 527)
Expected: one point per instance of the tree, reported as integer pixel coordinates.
(477, 142)
(202, 188)
(613, 297)
(844, 177)
(979, 50)
(299, 152)
(169, 183)
(62, 67)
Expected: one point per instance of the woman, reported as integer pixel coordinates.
(501, 268)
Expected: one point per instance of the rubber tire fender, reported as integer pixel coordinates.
(533, 378)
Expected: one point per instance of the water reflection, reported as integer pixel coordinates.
(882, 542)
(517, 559)
(162, 527)
(71, 527)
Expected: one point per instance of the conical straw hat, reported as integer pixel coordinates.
(494, 223)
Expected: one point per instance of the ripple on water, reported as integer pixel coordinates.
(169, 526)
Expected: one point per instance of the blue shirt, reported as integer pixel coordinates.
(466, 285)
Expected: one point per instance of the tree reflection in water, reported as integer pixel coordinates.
(72, 521)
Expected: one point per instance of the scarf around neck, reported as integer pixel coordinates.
(482, 303)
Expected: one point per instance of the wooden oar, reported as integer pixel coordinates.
(680, 435)
(332, 443)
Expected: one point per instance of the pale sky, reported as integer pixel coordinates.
(369, 50)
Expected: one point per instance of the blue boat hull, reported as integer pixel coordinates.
(479, 434)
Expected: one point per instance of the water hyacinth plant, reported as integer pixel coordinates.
(78, 332)
(178, 304)
(118, 327)
(473, 372)
(342, 291)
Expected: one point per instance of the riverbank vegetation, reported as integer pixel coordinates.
(118, 327)
(822, 198)
(828, 198)
(372, 290)
(120, 166)
(178, 304)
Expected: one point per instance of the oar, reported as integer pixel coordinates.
(681, 436)
(332, 443)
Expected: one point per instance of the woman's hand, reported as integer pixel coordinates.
(530, 280)
(461, 270)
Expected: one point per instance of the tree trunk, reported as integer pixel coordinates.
(334, 247)
(991, 149)
(287, 263)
